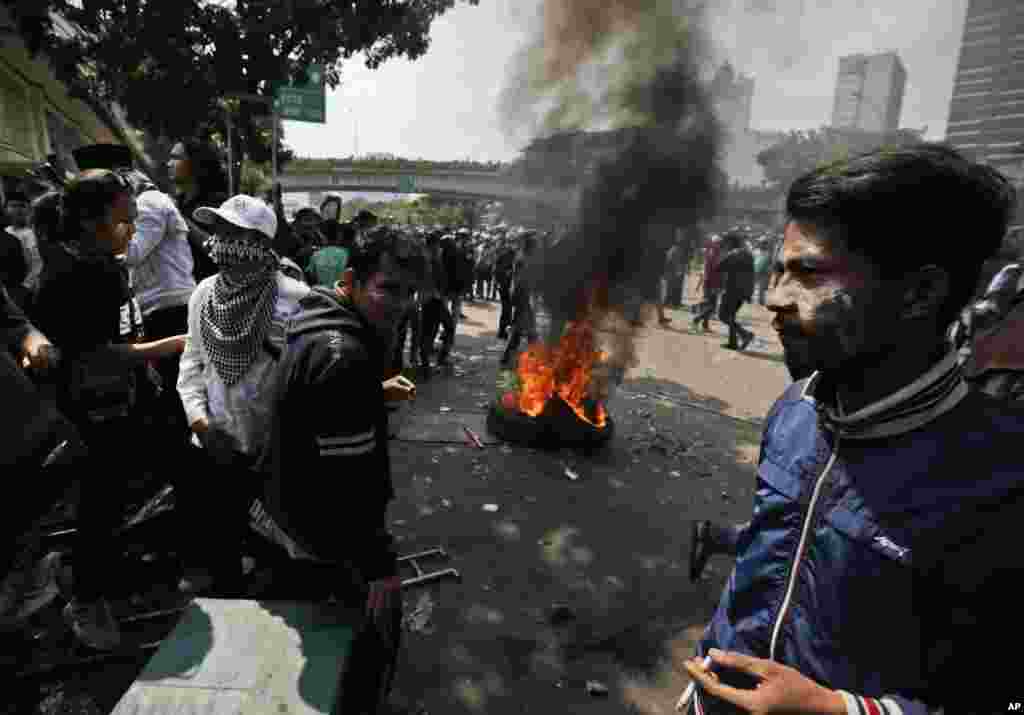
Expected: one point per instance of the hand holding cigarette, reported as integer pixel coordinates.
(399, 388)
(684, 699)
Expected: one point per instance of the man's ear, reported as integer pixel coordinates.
(926, 291)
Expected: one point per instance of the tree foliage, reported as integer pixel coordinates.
(169, 63)
(803, 151)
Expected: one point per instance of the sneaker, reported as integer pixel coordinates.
(93, 624)
(25, 593)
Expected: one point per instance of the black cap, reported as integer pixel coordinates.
(306, 210)
(103, 156)
(365, 215)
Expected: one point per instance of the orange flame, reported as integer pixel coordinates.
(563, 371)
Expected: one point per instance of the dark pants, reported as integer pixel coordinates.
(727, 314)
(31, 490)
(505, 293)
(435, 315)
(367, 679)
(160, 324)
(117, 450)
(213, 504)
(707, 308)
(524, 324)
(483, 284)
(761, 286)
(410, 319)
(674, 291)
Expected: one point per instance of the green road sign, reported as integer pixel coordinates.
(304, 103)
(407, 184)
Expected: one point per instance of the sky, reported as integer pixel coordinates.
(443, 106)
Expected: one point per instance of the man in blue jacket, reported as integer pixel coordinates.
(879, 571)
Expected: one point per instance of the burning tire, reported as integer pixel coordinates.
(556, 426)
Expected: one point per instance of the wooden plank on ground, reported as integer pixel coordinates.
(235, 657)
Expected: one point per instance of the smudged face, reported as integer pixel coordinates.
(384, 297)
(833, 311)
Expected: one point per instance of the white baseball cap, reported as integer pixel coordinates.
(242, 211)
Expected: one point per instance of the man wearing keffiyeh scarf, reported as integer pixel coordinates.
(238, 311)
(226, 383)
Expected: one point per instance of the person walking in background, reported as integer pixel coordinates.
(712, 283)
(200, 179)
(20, 228)
(763, 258)
(434, 308)
(736, 268)
(524, 322)
(330, 215)
(504, 265)
(327, 264)
(13, 266)
(676, 264)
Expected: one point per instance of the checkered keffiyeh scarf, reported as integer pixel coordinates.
(236, 315)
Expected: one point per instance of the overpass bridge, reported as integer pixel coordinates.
(451, 185)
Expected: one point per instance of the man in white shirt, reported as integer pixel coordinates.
(227, 381)
(18, 213)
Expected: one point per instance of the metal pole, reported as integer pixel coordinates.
(274, 148)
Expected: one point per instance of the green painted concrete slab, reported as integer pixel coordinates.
(235, 657)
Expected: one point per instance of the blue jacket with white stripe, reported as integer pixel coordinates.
(887, 568)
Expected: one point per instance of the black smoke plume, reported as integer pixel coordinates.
(630, 68)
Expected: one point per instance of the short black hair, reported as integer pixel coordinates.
(734, 239)
(366, 259)
(937, 208)
(89, 196)
(207, 170)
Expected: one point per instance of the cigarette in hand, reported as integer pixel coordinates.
(684, 699)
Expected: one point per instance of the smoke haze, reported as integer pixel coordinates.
(630, 69)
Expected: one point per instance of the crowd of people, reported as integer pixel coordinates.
(876, 572)
(210, 330)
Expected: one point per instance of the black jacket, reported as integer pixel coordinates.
(737, 270)
(327, 462)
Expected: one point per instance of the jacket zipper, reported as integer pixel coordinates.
(805, 532)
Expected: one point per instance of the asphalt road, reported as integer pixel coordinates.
(574, 565)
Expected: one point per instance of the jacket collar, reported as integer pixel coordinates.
(936, 392)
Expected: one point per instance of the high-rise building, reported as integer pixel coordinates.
(869, 92)
(986, 115)
(734, 98)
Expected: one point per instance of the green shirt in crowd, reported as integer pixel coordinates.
(327, 265)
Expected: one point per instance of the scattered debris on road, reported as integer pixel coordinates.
(560, 613)
(491, 507)
(419, 620)
(596, 689)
